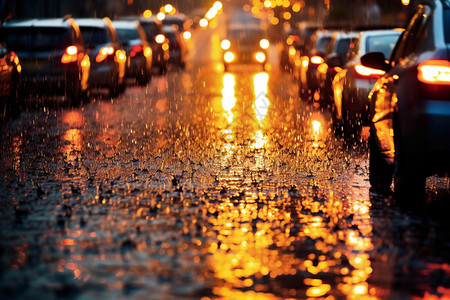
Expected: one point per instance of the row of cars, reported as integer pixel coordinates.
(72, 56)
(395, 81)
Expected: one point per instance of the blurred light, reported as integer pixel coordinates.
(405, 2)
(434, 71)
(203, 23)
(187, 35)
(267, 3)
(292, 51)
(316, 60)
(147, 51)
(367, 72)
(165, 46)
(217, 5)
(260, 57)
(121, 56)
(161, 16)
(225, 44)
(147, 13)
(168, 8)
(264, 43)
(104, 53)
(211, 13)
(70, 55)
(289, 41)
(228, 56)
(296, 7)
(135, 50)
(160, 38)
(275, 21)
(287, 15)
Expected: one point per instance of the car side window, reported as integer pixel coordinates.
(408, 42)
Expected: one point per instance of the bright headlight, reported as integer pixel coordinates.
(260, 57)
(225, 44)
(264, 43)
(228, 57)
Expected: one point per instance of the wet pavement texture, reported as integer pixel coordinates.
(206, 185)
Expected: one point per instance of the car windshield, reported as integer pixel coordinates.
(322, 43)
(151, 30)
(176, 22)
(94, 35)
(127, 34)
(384, 44)
(36, 38)
(342, 47)
(247, 36)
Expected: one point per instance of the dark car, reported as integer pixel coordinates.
(410, 105)
(155, 37)
(352, 84)
(139, 53)
(177, 47)
(334, 58)
(107, 58)
(245, 44)
(52, 55)
(307, 78)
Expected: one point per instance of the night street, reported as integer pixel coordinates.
(206, 184)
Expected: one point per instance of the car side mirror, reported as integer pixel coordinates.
(333, 60)
(375, 60)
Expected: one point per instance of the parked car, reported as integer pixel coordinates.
(245, 44)
(52, 56)
(352, 84)
(139, 53)
(107, 58)
(334, 58)
(177, 46)
(160, 49)
(410, 105)
(307, 78)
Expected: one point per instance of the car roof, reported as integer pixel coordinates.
(141, 19)
(92, 22)
(380, 32)
(55, 22)
(131, 24)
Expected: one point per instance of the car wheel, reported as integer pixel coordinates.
(380, 171)
(409, 176)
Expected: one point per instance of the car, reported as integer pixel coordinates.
(106, 56)
(353, 82)
(139, 53)
(334, 59)
(310, 61)
(245, 44)
(410, 106)
(288, 49)
(155, 37)
(10, 70)
(53, 57)
(177, 47)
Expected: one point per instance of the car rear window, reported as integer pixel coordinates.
(36, 38)
(382, 43)
(151, 30)
(127, 34)
(447, 25)
(342, 47)
(94, 35)
(322, 43)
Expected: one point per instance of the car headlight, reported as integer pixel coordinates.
(260, 57)
(264, 43)
(225, 44)
(228, 56)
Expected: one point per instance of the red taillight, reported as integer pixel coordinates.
(70, 55)
(136, 49)
(317, 60)
(104, 53)
(434, 71)
(366, 72)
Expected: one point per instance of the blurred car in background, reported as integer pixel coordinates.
(10, 70)
(245, 44)
(410, 105)
(307, 78)
(52, 56)
(155, 37)
(177, 21)
(177, 46)
(334, 59)
(288, 49)
(352, 84)
(139, 53)
(107, 58)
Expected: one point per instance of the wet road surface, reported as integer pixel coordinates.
(205, 185)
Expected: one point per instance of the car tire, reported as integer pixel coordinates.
(380, 171)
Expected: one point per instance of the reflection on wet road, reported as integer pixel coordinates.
(203, 184)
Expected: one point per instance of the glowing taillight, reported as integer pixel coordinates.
(434, 72)
(147, 51)
(135, 50)
(317, 60)
(160, 38)
(368, 72)
(104, 53)
(70, 55)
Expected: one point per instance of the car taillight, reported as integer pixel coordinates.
(70, 55)
(434, 71)
(104, 53)
(135, 50)
(317, 60)
(366, 72)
